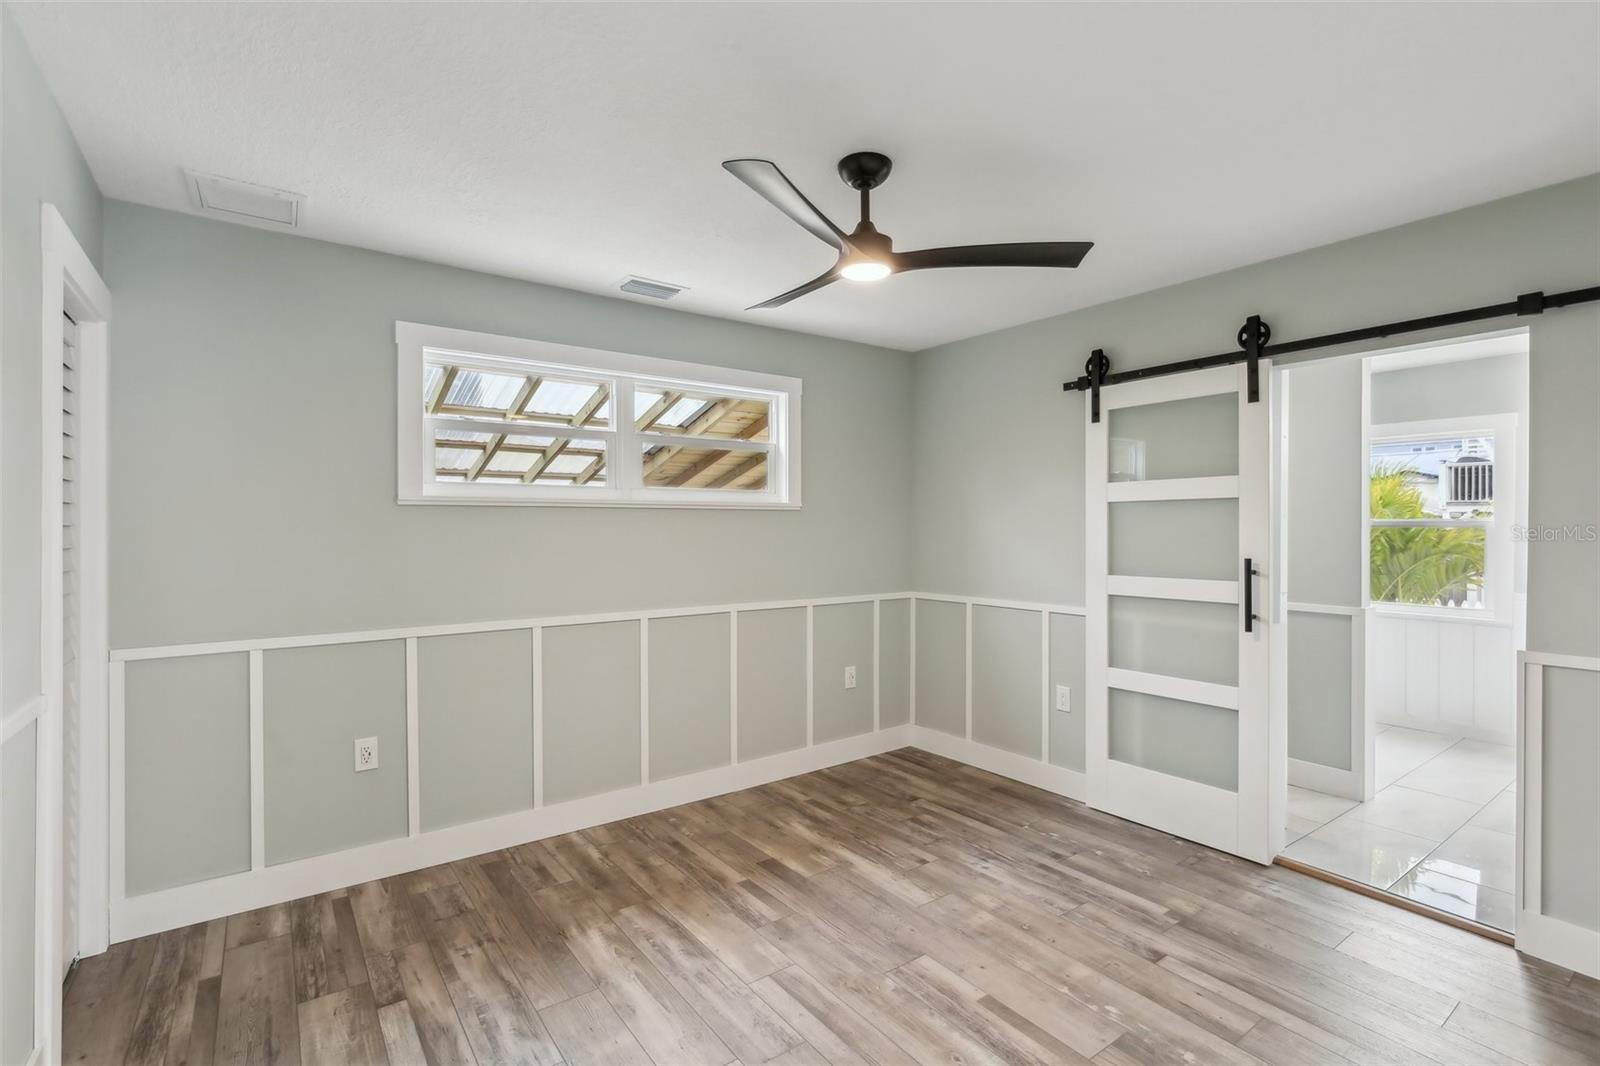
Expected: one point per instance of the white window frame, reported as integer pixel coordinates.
(622, 372)
(1499, 555)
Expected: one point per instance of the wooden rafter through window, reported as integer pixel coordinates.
(550, 454)
(506, 475)
(754, 429)
(582, 416)
(536, 449)
(745, 468)
(529, 385)
(653, 413)
(445, 382)
(702, 424)
(589, 472)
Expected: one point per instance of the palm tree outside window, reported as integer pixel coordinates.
(1431, 505)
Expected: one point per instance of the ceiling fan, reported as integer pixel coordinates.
(867, 255)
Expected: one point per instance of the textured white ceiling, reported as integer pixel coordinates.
(574, 144)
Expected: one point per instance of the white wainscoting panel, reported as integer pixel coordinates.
(267, 883)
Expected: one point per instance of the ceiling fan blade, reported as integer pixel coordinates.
(1028, 254)
(768, 181)
(813, 285)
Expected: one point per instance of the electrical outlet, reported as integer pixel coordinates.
(366, 754)
(1064, 699)
(849, 677)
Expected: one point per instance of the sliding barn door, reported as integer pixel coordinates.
(1180, 725)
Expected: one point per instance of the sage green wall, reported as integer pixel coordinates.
(1323, 486)
(941, 658)
(278, 353)
(1006, 675)
(894, 651)
(690, 694)
(1067, 668)
(1491, 386)
(187, 759)
(318, 702)
(474, 726)
(591, 709)
(843, 637)
(772, 681)
(1319, 688)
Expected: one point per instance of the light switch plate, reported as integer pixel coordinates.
(1064, 699)
(849, 677)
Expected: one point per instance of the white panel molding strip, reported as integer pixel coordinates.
(1538, 934)
(258, 762)
(413, 743)
(266, 884)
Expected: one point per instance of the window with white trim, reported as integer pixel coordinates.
(1440, 497)
(487, 419)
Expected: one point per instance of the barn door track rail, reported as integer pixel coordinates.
(1255, 336)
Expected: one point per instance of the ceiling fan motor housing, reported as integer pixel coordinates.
(865, 170)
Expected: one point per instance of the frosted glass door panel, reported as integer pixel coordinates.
(1176, 638)
(1175, 538)
(1194, 437)
(1189, 740)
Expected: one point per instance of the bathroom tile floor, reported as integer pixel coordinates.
(1441, 829)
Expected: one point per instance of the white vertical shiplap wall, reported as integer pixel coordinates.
(1444, 675)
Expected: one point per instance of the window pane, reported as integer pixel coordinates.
(670, 466)
(575, 403)
(1175, 538)
(1430, 565)
(700, 414)
(1192, 740)
(479, 390)
(1438, 478)
(515, 458)
(1176, 638)
(1194, 437)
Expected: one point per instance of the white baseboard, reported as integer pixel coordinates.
(1030, 771)
(176, 907)
(1559, 942)
(1325, 779)
(1447, 729)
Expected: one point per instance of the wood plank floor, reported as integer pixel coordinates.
(899, 909)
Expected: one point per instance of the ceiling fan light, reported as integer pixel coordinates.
(864, 270)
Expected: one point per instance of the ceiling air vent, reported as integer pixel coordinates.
(656, 290)
(240, 201)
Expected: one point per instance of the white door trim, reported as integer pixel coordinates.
(71, 285)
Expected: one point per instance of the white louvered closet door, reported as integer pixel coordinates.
(71, 714)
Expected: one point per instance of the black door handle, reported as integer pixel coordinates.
(1249, 596)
